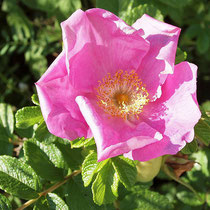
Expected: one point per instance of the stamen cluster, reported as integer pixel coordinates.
(122, 95)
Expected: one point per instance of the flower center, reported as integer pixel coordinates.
(122, 95)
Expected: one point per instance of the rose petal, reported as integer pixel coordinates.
(176, 112)
(160, 59)
(114, 136)
(57, 101)
(97, 42)
(154, 150)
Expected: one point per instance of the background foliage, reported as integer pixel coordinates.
(34, 164)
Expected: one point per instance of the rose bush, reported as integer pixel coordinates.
(118, 84)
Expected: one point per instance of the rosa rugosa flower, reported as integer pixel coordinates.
(119, 84)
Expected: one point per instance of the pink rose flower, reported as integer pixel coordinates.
(119, 84)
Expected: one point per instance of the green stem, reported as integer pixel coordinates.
(54, 187)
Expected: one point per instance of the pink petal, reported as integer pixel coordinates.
(97, 42)
(57, 101)
(160, 59)
(114, 136)
(174, 114)
(153, 150)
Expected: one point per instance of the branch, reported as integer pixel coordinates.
(54, 187)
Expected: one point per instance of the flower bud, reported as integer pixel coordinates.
(146, 171)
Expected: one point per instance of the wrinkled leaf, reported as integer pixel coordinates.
(105, 186)
(18, 178)
(145, 199)
(74, 190)
(89, 167)
(190, 147)
(28, 116)
(82, 142)
(126, 170)
(46, 160)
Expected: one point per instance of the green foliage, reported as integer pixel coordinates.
(73, 157)
(89, 167)
(5, 203)
(126, 170)
(6, 119)
(28, 116)
(190, 147)
(141, 198)
(75, 189)
(6, 129)
(105, 187)
(82, 142)
(42, 133)
(180, 56)
(51, 202)
(18, 178)
(202, 129)
(44, 156)
(132, 14)
(112, 6)
(35, 99)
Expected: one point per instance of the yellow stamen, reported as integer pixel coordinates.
(122, 95)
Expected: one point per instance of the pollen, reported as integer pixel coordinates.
(122, 95)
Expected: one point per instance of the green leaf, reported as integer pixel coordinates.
(145, 199)
(50, 202)
(28, 116)
(131, 15)
(6, 148)
(27, 132)
(180, 56)
(112, 6)
(6, 119)
(202, 158)
(206, 107)
(5, 203)
(43, 5)
(105, 186)
(43, 135)
(45, 159)
(126, 170)
(4, 49)
(190, 147)
(18, 178)
(74, 190)
(189, 198)
(17, 20)
(62, 9)
(193, 31)
(36, 59)
(176, 3)
(202, 129)
(208, 199)
(89, 167)
(203, 42)
(35, 99)
(72, 157)
(82, 142)
(65, 8)
(6, 129)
